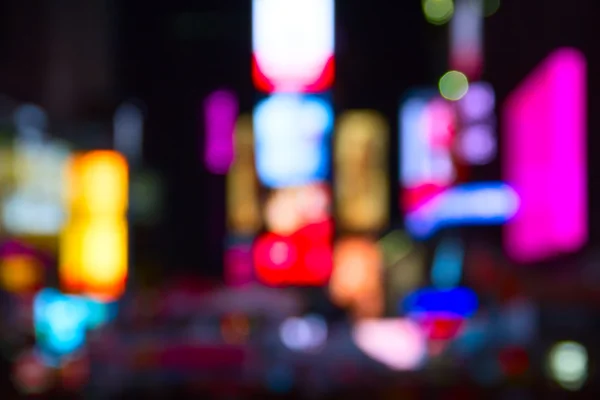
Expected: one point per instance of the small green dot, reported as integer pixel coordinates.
(453, 85)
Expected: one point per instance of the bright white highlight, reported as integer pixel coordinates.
(397, 343)
(292, 40)
(568, 364)
(290, 132)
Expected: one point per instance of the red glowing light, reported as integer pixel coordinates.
(322, 82)
(441, 326)
(303, 258)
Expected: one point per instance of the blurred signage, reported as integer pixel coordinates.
(243, 208)
(220, 113)
(293, 45)
(361, 163)
(35, 205)
(302, 258)
(397, 343)
(545, 159)
(128, 131)
(356, 281)
(94, 245)
(291, 139)
(437, 144)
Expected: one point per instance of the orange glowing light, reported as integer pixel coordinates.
(356, 278)
(362, 181)
(289, 209)
(93, 244)
(19, 273)
(97, 183)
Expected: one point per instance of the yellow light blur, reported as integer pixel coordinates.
(93, 244)
(356, 278)
(19, 273)
(243, 209)
(361, 162)
(93, 257)
(97, 183)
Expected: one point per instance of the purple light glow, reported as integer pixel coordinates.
(545, 159)
(220, 113)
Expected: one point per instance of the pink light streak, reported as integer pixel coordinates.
(220, 113)
(545, 159)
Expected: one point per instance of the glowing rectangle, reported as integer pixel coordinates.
(545, 159)
(304, 258)
(93, 257)
(462, 302)
(361, 162)
(97, 183)
(220, 113)
(484, 203)
(243, 208)
(292, 139)
(466, 38)
(426, 160)
(293, 45)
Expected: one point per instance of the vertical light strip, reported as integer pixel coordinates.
(362, 181)
(545, 159)
(220, 113)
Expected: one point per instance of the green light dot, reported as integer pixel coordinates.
(490, 7)
(438, 12)
(453, 85)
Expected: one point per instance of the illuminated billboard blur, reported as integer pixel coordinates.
(93, 253)
(291, 134)
(361, 175)
(545, 158)
(439, 141)
(293, 45)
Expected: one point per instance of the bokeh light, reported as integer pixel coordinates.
(490, 7)
(568, 364)
(453, 85)
(438, 12)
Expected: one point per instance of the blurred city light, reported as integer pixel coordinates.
(446, 272)
(466, 38)
(35, 207)
(568, 364)
(490, 7)
(545, 146)
(362, 181)
(30, 375)
(94, 245)
(291, 139)
(293, 45)
(308, 333)
(356, 281)
(303, 258)
(128, 131)
(20, 273)
(438, 12)
(397, 343)
(220, 114)
(60, 323)
(482, 203)
(242, 203)
(461, 302)
(453, 85)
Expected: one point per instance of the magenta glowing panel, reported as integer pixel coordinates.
(545, 159)
(220, 114)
